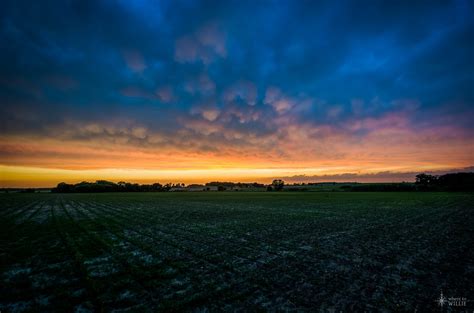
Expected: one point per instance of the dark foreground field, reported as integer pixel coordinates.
(235, 251)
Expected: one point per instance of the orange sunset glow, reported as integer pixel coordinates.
(42, 162)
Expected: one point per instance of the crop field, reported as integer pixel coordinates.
(235, 251)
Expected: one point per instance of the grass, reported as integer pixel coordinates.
(226, 251)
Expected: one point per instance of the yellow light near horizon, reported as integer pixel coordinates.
(19, 176)
(41, 177)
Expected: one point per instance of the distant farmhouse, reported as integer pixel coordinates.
(194, 187)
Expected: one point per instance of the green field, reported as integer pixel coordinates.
(140, 252)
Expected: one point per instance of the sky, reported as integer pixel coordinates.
(197, 91)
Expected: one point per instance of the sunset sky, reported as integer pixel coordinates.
(196, 91)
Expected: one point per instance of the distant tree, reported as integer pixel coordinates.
(278, 184)
(456, 182)
(229, 185)
(106, 186)
(157, 187)
(63, 187)
(425, 179)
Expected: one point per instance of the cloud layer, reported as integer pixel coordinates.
(292, 87)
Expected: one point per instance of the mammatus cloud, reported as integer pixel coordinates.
(165, 94)
(390, 140)
(279, 102)
(134, 61)
(201, 84)
(205, 45)
(244, 91)
(208, 112)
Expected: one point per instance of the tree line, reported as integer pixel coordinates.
(447, 182)
(423, 182)
(107, 186)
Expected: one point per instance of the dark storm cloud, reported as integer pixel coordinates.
(171, 65)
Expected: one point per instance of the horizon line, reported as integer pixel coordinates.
(365, 178)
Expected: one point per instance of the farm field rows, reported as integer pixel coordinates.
(234, 251)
